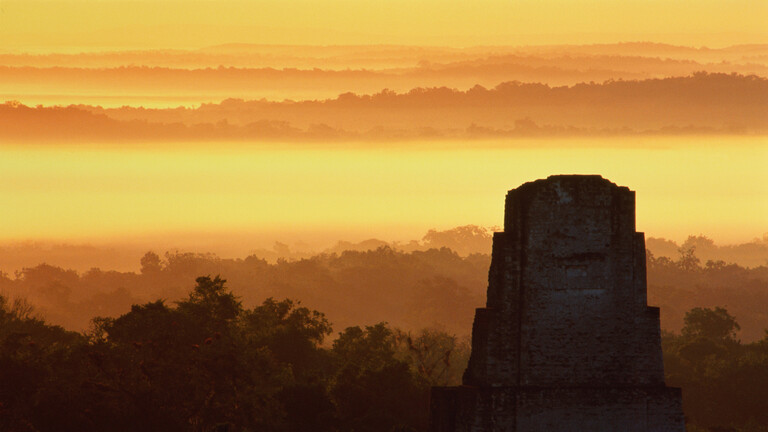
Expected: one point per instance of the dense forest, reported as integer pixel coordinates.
(413, 290)
(207, 363)
(350, 339)
(411, 285)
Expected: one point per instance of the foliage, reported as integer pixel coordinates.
(380, 384)
(351, 287)
(724, 382)
(209, 364)
(211, 358)
(712, 324)
(679, 285)
(411, 290)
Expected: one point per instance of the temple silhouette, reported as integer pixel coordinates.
(566, 341)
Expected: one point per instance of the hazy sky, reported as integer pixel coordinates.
(684, 186)
(57, 25)
(712, 186)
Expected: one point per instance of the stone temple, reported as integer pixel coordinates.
(566, 341)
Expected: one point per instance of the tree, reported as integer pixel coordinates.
(436, 357)
(714, 324)
(724, 382)
(464, 240)
(293, 334)
(374, 391)
(150, 263)
(688, 260)
(212, 302)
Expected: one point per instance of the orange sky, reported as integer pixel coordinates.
(715, 186)
(67, 25)
(685, 185)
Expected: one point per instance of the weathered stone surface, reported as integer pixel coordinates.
(566, 341)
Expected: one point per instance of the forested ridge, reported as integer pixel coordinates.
(411, 285)
(699, 103)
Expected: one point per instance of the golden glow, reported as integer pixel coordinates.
(714, 186)
(56, 25)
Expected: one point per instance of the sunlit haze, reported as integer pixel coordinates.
(54, 25)
(118, 194)
(227, 125)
